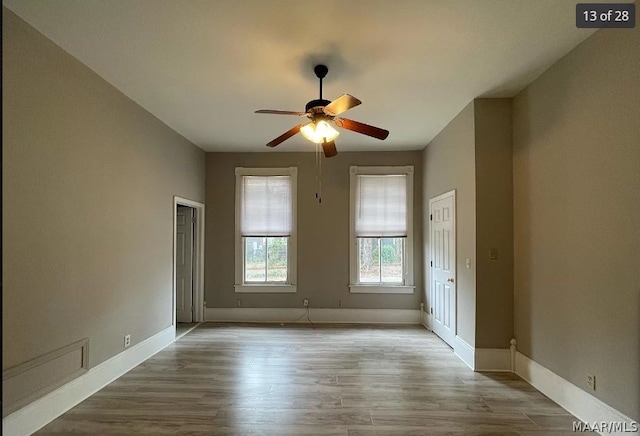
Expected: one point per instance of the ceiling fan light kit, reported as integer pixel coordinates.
(319, 133)
(322, 113)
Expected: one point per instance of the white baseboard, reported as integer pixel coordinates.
(482, 359)
(295, 315)
(583, 405)
(36, 415)
(426, 321)
(464, 351)
(493, 359)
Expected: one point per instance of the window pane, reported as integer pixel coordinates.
(369, 260)
(255, 260)
(381, 260)
(391, 254)
(277, 259)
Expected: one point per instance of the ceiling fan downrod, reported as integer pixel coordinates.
(315, 106)
(321, 71)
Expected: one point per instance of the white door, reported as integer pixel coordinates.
(443, 265)
(184, 264)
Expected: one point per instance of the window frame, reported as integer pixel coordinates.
(380, 288)
(290, 286)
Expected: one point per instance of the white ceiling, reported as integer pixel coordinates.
(204, 66)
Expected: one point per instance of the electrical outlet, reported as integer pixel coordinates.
(239, 302)
(591, 381)
(305, 302)
(127, 341)
(339, 303)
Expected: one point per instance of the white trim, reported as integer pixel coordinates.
(512, 354)
(293, 244)
(442, 196)
(380, 289)
(381, 170)
(36, 415)
(492, 359)
(184, 332)
(283, 171)
(354, 171)
(425, 319)
(464, 351)
(19, 374)
(576, 401)
(198, 259)
(261, 288)
(297, 315)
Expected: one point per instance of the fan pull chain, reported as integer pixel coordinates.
(320, 179)
(318, 174)
(316, 171)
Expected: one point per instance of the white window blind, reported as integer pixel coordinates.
(381, 206)
(265, 208)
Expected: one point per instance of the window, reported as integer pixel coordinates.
(381, 230)
(265, 259)
(265, 230)
(380, 260)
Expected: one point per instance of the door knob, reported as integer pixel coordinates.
(450, 280)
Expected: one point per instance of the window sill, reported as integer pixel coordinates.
(266, 289)
(381, 289)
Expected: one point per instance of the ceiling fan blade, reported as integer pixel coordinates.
(359, 127)
(329, 148)
(288, 134)
(341, 104)
(274, 112)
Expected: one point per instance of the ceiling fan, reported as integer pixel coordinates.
(322, 114)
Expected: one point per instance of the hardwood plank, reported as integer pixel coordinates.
(275, 401)
(259, 417)
(267, 379)
(453, 421)
(282, 430)
(541, 405)
(380, 430)
(553, 422)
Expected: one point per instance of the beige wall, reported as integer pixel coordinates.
(472, 155)
(449, 163)
(323, 230)
(576, 167)
(88, 185)
(494, 222)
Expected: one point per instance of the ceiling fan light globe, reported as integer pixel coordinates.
(325, 131)
(320, 132)
(309, 131)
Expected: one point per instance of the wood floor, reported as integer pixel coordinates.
(351, 380)
(182, 328)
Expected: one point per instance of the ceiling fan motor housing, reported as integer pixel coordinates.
(316, 103)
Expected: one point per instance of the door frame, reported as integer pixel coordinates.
(198, 258)
(451, 193)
